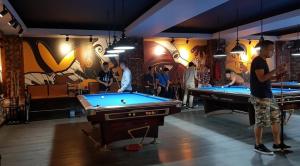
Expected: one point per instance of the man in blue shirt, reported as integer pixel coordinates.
(266, 109)
(163, 82)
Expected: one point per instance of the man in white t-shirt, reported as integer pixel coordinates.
(189, 77)
(126, 79)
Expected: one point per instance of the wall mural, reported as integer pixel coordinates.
(175, 56)
(56, 61)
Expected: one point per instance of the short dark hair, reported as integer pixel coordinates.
(105, 63)
(191, 64)
(150, 67)
(123, 62)
(228, 71)
(265, 44)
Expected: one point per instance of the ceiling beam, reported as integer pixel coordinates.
(284, 20)
(185, 35)
(168, 13)
(257, 37)
(291, 36)
(43, 32)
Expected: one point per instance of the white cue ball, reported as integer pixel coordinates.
(102, 97)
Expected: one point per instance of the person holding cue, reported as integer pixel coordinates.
(267, 112)
(105, 77)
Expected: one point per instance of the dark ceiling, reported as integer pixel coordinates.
(92, 14)
(79, 14)
(249, 11)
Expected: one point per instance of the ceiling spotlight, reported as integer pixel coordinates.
(15, 25)
(91, 38)
(67, 38)
(173, 40)
(12, 22)
(20, 31)
(3, 12)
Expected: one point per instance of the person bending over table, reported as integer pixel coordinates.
(105, 77)
(267, 111)
(163, 82)
(234, 78)
(149, 80)
(245, 75)
(189, 77)
(126, 78)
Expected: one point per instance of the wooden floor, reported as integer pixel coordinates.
(188, 138)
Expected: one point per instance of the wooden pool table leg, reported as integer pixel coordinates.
(155, 138)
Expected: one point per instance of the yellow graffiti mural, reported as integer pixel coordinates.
(30, 64)
(50, 61)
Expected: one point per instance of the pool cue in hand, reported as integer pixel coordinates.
(117, 82)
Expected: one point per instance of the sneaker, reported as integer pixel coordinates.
(280, 147)
(261, 148)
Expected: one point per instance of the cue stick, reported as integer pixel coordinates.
(96, 143)
(116, 81)
(281, 110)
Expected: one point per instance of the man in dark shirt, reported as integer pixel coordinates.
(163, 82)
(150, 81)
(266, 109)
(105, 77)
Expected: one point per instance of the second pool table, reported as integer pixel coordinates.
(290, 84)
(123, 114)
(237, 98)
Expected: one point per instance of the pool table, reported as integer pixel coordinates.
(237, 98)
(119, 114)
(291, 84)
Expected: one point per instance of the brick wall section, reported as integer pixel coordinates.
(211, 48)
(295, 68)
(135, 61)
(283, 55)
(13, 63)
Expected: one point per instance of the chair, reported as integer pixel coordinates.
(38, 91)
(60, 90)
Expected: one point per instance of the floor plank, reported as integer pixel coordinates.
(188, 138)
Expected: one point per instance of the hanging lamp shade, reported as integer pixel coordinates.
(124, 43)
(220, 53)
(237, 49)
(296, 48)
(258, 45)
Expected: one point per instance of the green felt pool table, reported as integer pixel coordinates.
(237, 98)
(119, 113)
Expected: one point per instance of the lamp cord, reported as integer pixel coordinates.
(261, 19)
(237, 17)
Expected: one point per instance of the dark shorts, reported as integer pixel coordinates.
(267, 111)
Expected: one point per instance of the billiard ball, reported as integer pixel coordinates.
(123, 101)
(102, 97)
